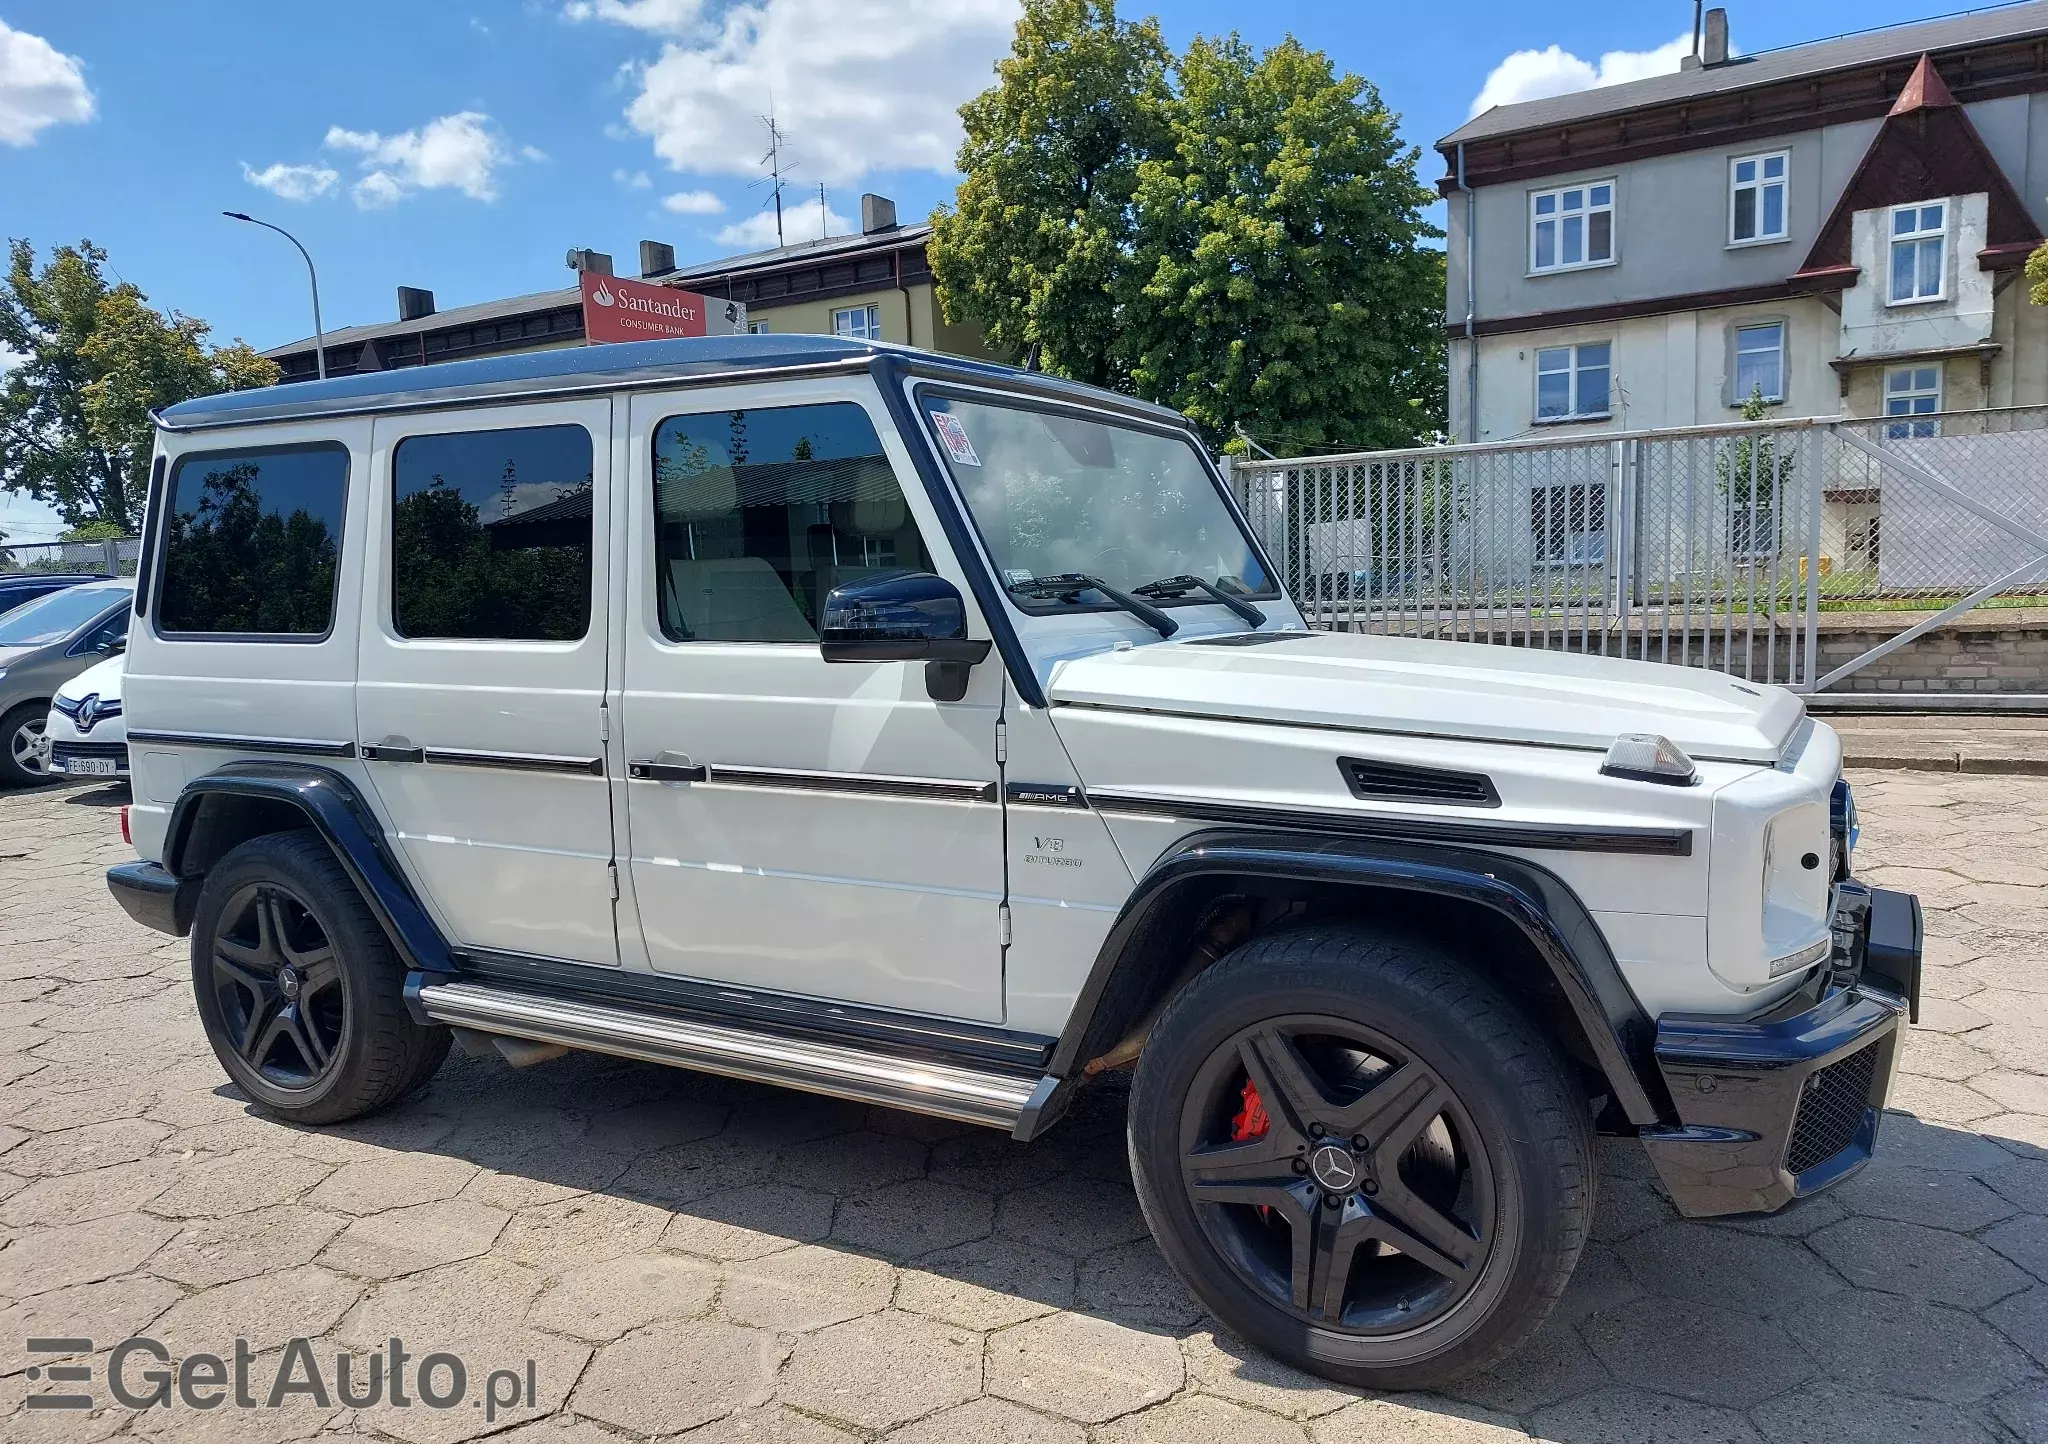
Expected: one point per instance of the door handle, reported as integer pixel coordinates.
(393, 749)
(668, 767)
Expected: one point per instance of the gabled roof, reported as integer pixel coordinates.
(1927, 148)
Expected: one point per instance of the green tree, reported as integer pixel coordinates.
(1281, 282)
(2037, 275)
(75, 429)
(1042, 226)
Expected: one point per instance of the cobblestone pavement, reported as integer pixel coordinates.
(677, 1253)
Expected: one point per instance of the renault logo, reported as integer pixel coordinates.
(88, 712)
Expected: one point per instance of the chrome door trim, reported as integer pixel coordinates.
(866, 784)
(514, 761)
(288, 746)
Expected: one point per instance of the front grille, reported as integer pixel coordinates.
(63, 752)
(1399, 782)
(1831, 1109)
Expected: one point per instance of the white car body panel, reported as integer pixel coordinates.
(101, 680)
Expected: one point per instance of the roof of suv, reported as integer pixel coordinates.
(604, 368)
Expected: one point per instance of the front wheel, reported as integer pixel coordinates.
(1361, 1157)
(300, 993)
(21, 744)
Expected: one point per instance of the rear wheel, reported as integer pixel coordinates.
(297, 986)
(1361, 1157)
(21, 742)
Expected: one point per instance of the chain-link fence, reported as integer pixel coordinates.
(1725, 547)
(112, 558)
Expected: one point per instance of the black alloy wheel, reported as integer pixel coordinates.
(278, 984)
(1338, 1174)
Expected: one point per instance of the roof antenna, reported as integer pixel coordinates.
(1697, 7)
(824, 216)
(773, 160)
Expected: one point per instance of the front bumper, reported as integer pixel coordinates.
(1785, 1104)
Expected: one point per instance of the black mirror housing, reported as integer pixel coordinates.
(898, 617)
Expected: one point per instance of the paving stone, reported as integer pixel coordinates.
(236, 1183)
(441, 1304)
(296, 1417)
(1599, 1281)
(1922, 1195)
(372, 1185)
(407, 1240)
(266, 1310)
(51, 1427)
(1715, 1356)
(2019, 1092)
(750, 1222)
(1087, 1369)
(105, 1311)
(1826, 1413)
(1198, 1419)
(1224, 1365)
(1077, 1216)
(1414, 1419)
(605, 1300)
(1796, 1220)
(662, 1123)
(675, 1376)
(764, 1424)
(806, 1287)
(220, 1250)
(558, 1237)
(883, 1370)
(1904, 1346)
(988, 1421)
(1934, 1101)
(2025, 1242)
(916, 1217)
(78, 1197)
(47, 1258)
(675, 1177)
(1926, 1145)
(2023, 1318)
(1554, 1365)
(2025, 1412)
(1729, 1270)
(1621, 1415)
(996, 1163)
(988, 1284)
(2020, 1182)
(496, 1344)
(850, 1163)
(95, 1145)
(1923, 1263)
(1133, 1284)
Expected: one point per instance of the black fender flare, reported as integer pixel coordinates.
(334, 808)
(1535, 901)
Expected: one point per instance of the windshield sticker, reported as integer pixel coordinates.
(955, 436)
(1019, 576)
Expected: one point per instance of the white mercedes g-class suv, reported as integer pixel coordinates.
(935, 734)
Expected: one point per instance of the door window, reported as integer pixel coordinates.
(760, 513)
(490, 534)
(253, 541)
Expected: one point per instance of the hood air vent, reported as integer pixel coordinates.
(1399, 782)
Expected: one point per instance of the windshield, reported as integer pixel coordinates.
(1058, 498)
(55, 617)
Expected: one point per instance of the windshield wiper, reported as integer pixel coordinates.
(1067, 584)
(1180, 586)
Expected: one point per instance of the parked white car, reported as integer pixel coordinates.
(934, 734)
(86, 734)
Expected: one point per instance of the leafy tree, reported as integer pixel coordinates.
(2037, 275)
(1280, 283)
(74, 414)
(1043, 224)
(236, 564)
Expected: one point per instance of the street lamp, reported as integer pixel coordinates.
(319, 337)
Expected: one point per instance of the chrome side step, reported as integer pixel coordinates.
(966, 1095)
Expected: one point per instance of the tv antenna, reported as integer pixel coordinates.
(824, 215)
(776, 169)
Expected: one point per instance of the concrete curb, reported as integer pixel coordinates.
(1947, 762)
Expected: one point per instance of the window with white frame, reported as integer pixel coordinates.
(1572, 227)
(1756, 197)
(1912, 391)
(1919, 245)
(1568, 524)
(1759, 362)
(757, 328)
(1573, 382)
(860, 323)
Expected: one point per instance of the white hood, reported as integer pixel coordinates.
(1442, 689)
(101, 677)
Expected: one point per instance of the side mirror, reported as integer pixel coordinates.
(903, 617)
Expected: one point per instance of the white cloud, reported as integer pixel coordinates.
(9, 360)
(39, 86)
(1539, 74)
(454, 152)
(693, 203)
(661, 17)
(633, 180)
(855, 85)
(292, 182)
(799, 223)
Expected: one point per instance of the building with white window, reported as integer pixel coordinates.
(1838, 228)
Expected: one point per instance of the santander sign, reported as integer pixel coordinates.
(615, 309)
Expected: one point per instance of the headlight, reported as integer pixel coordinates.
(1646, 757)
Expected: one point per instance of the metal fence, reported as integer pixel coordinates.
(105, 558)
(1721, 547)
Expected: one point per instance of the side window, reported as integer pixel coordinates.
(107, 636)
(490, 535)
(761, 513)
(252, 542)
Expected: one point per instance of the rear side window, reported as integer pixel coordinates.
(252, 542)
(490, 535)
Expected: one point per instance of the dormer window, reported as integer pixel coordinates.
(1919, 240)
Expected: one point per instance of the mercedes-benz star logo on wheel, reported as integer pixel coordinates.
(288, 982)
(1334, 1167)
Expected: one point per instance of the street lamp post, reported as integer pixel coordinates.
(319, 336)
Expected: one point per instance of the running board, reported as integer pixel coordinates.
(967, 1095)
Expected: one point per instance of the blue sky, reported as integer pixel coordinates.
(465, 148)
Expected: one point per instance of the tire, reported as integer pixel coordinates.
(300, 993)
(21, 724)
(1483, 1164)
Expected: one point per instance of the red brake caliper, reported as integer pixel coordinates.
(1251, 1122)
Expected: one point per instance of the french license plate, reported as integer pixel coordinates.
(93, 767)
